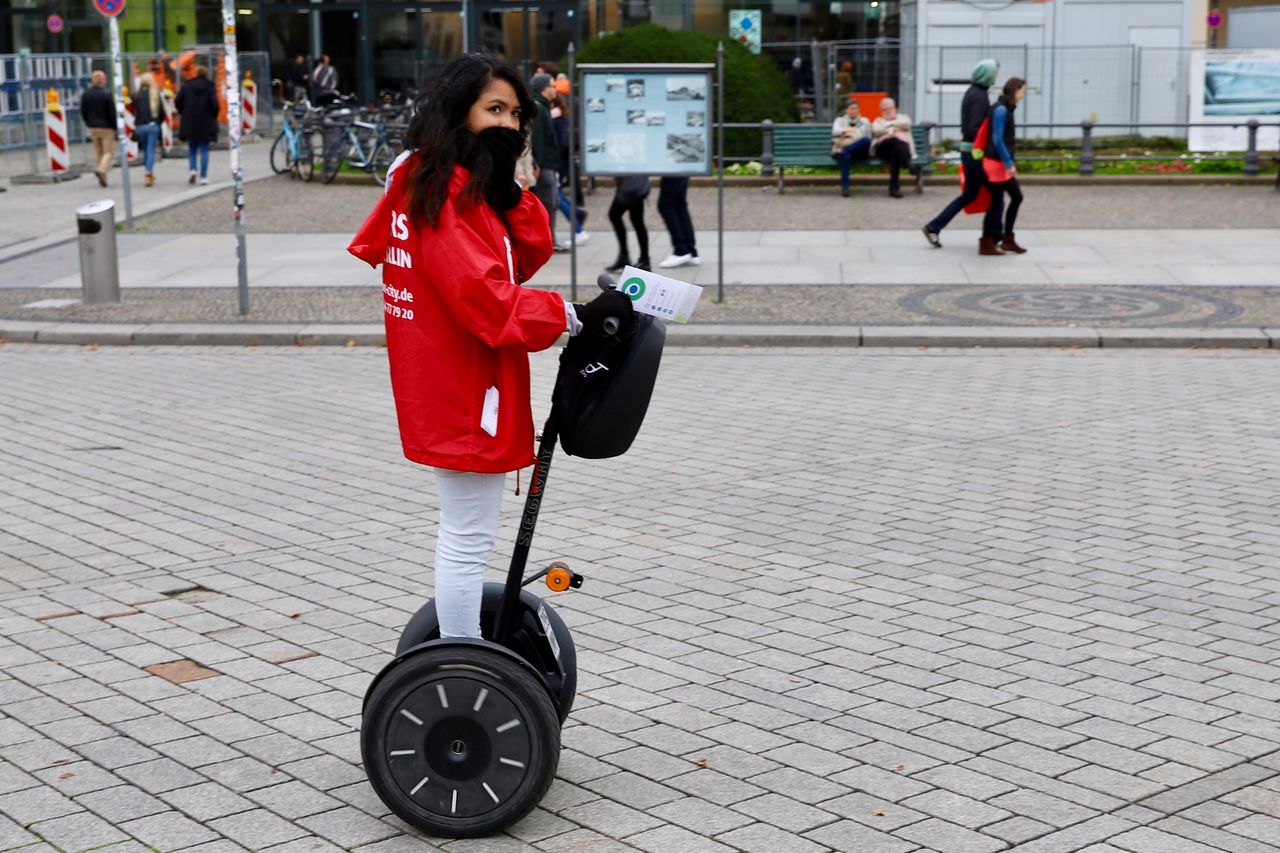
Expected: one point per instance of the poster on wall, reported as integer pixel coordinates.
(1230, 87)
(646, 119)
(745, 26)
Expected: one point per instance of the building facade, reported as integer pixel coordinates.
(1114, 62)
(377, 45)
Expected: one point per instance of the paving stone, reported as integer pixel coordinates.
(206, 801)
(939, 834)
(348, 828)
(168, 831)
(667, 838)
(785, 813)
(850, 837)
(957, 809)
(763, 838)
(257, 828)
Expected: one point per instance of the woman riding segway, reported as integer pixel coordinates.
(463, 754)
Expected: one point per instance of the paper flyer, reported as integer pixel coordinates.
(660, 296)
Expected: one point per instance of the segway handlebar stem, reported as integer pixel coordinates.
(524, 537)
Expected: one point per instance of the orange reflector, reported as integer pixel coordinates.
(558, 579)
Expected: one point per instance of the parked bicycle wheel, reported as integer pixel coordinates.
(336, 147)
(304, 165)
(281, 159)
(380, 163)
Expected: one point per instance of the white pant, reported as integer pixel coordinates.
(469, 507)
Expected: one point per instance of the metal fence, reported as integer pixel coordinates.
(1131, 89)
(25, 80)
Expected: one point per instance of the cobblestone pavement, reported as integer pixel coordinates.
(283, 205)
(874, 601)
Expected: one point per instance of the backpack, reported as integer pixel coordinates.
(603, 388)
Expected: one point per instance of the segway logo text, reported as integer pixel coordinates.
(592, 368)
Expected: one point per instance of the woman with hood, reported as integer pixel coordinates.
(456, 237)
(974, 110)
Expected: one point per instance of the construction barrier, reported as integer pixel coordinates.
(248, 103)
(55, 133)
(170, 121)
(130, 147)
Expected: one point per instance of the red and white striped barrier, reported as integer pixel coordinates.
(248, 104)
(130, 147)
(55, 134)
(170, 119)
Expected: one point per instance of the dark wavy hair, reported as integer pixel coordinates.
(440, 135)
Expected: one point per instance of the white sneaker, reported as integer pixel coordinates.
(204, 182)
(675, 261)
(582, 237)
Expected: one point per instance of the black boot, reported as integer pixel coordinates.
(643, 264)
(617, 265)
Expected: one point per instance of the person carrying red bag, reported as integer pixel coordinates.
(975, 110)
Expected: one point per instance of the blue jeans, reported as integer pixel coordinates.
(860, 150)
(975, 178)
(201, 148)
(673, 207)
(562, 201)
(148, 140)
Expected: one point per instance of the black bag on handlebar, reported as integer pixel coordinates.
(603, 388)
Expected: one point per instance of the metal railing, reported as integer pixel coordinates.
(1088, 159)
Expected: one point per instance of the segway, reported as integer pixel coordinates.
(461, 737)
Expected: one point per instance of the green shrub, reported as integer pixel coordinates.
(754, 87)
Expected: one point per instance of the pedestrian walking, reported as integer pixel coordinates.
(975, 109)
(546, 150)
(197, 105)
(850, 140)
(673, 207)
(628, 199)
(98, 112)
(1003, 143)
(562, 121)
(298, 79)
(148, 112)
(455, 236)
(892, 142)
(324, 80)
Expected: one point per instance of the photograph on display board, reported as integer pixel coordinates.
(615, 84)
(686, 88)
(655, 119)
(595, 105)
(595, 146)
(695, 118)
(686, 148)
(635, 89)
(635, 116)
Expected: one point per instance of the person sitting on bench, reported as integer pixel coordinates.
(892, 142)
(850, 140)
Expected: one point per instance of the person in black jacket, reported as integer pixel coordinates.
(98, 112)
(546, 150)
(974, 110)
(198, 106)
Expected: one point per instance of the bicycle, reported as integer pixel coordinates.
(294, 147)
(343, 144)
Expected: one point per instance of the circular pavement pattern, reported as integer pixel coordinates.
(1149, 306)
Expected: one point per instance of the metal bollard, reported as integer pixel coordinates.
(766, 143)
(1251, 167)
(99, 268)
(1086, 148)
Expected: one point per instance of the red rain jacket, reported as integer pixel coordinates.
(458, 323)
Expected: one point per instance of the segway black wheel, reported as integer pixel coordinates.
(460, 741)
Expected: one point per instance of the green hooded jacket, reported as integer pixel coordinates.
(984, 73)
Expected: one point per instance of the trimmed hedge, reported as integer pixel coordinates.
(754, 87)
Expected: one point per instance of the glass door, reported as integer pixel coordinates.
(525, 33)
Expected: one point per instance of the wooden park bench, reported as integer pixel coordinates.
(810, 145)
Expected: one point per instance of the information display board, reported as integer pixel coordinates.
(1229, 87)
(646, 119)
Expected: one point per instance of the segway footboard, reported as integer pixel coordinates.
(539, 636)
